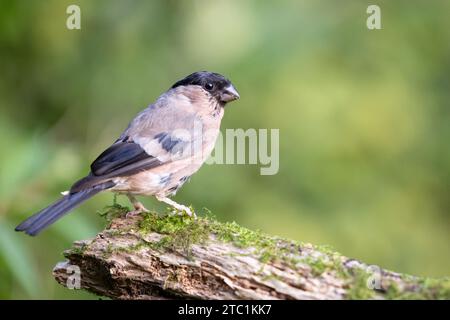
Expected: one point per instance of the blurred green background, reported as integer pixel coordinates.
(363, 115)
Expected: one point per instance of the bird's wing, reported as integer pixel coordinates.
(143, 146)
(123, 158)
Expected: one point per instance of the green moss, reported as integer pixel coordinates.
(116, 232)
(338, 267)
(113, 211)
(181, 231)
(436, 288)
(110, 249)
(411, 289)
(76, 250)
(420, 289)
(318, 265)
(267, 248)
(239, 236)
(358, 288)
(393, 292)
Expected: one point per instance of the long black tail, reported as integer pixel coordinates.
(39, 221)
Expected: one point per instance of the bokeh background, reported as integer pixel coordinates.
(363, 115)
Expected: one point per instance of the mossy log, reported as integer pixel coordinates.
(172, 257)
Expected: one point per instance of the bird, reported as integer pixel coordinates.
(162, 147)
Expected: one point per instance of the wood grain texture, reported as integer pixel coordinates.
(126, 261)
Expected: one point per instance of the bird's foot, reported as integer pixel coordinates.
(137, 211)
(138, 207)
(179, 208)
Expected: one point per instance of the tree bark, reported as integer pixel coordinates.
(152, 257)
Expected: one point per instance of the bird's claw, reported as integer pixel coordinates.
(181, 210)
(178, 208)
(138, 207)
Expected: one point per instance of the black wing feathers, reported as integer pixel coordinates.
(117, 156)
(121, 159)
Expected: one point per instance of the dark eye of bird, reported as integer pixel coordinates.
(209, 86)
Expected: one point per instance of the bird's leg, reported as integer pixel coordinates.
(138, 206)
(177, 206)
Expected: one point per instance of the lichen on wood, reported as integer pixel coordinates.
(153, 256)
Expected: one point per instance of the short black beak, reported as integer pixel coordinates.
(229, 94)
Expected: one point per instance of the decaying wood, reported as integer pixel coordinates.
(123, 262)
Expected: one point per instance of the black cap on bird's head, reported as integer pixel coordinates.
(217, 85)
